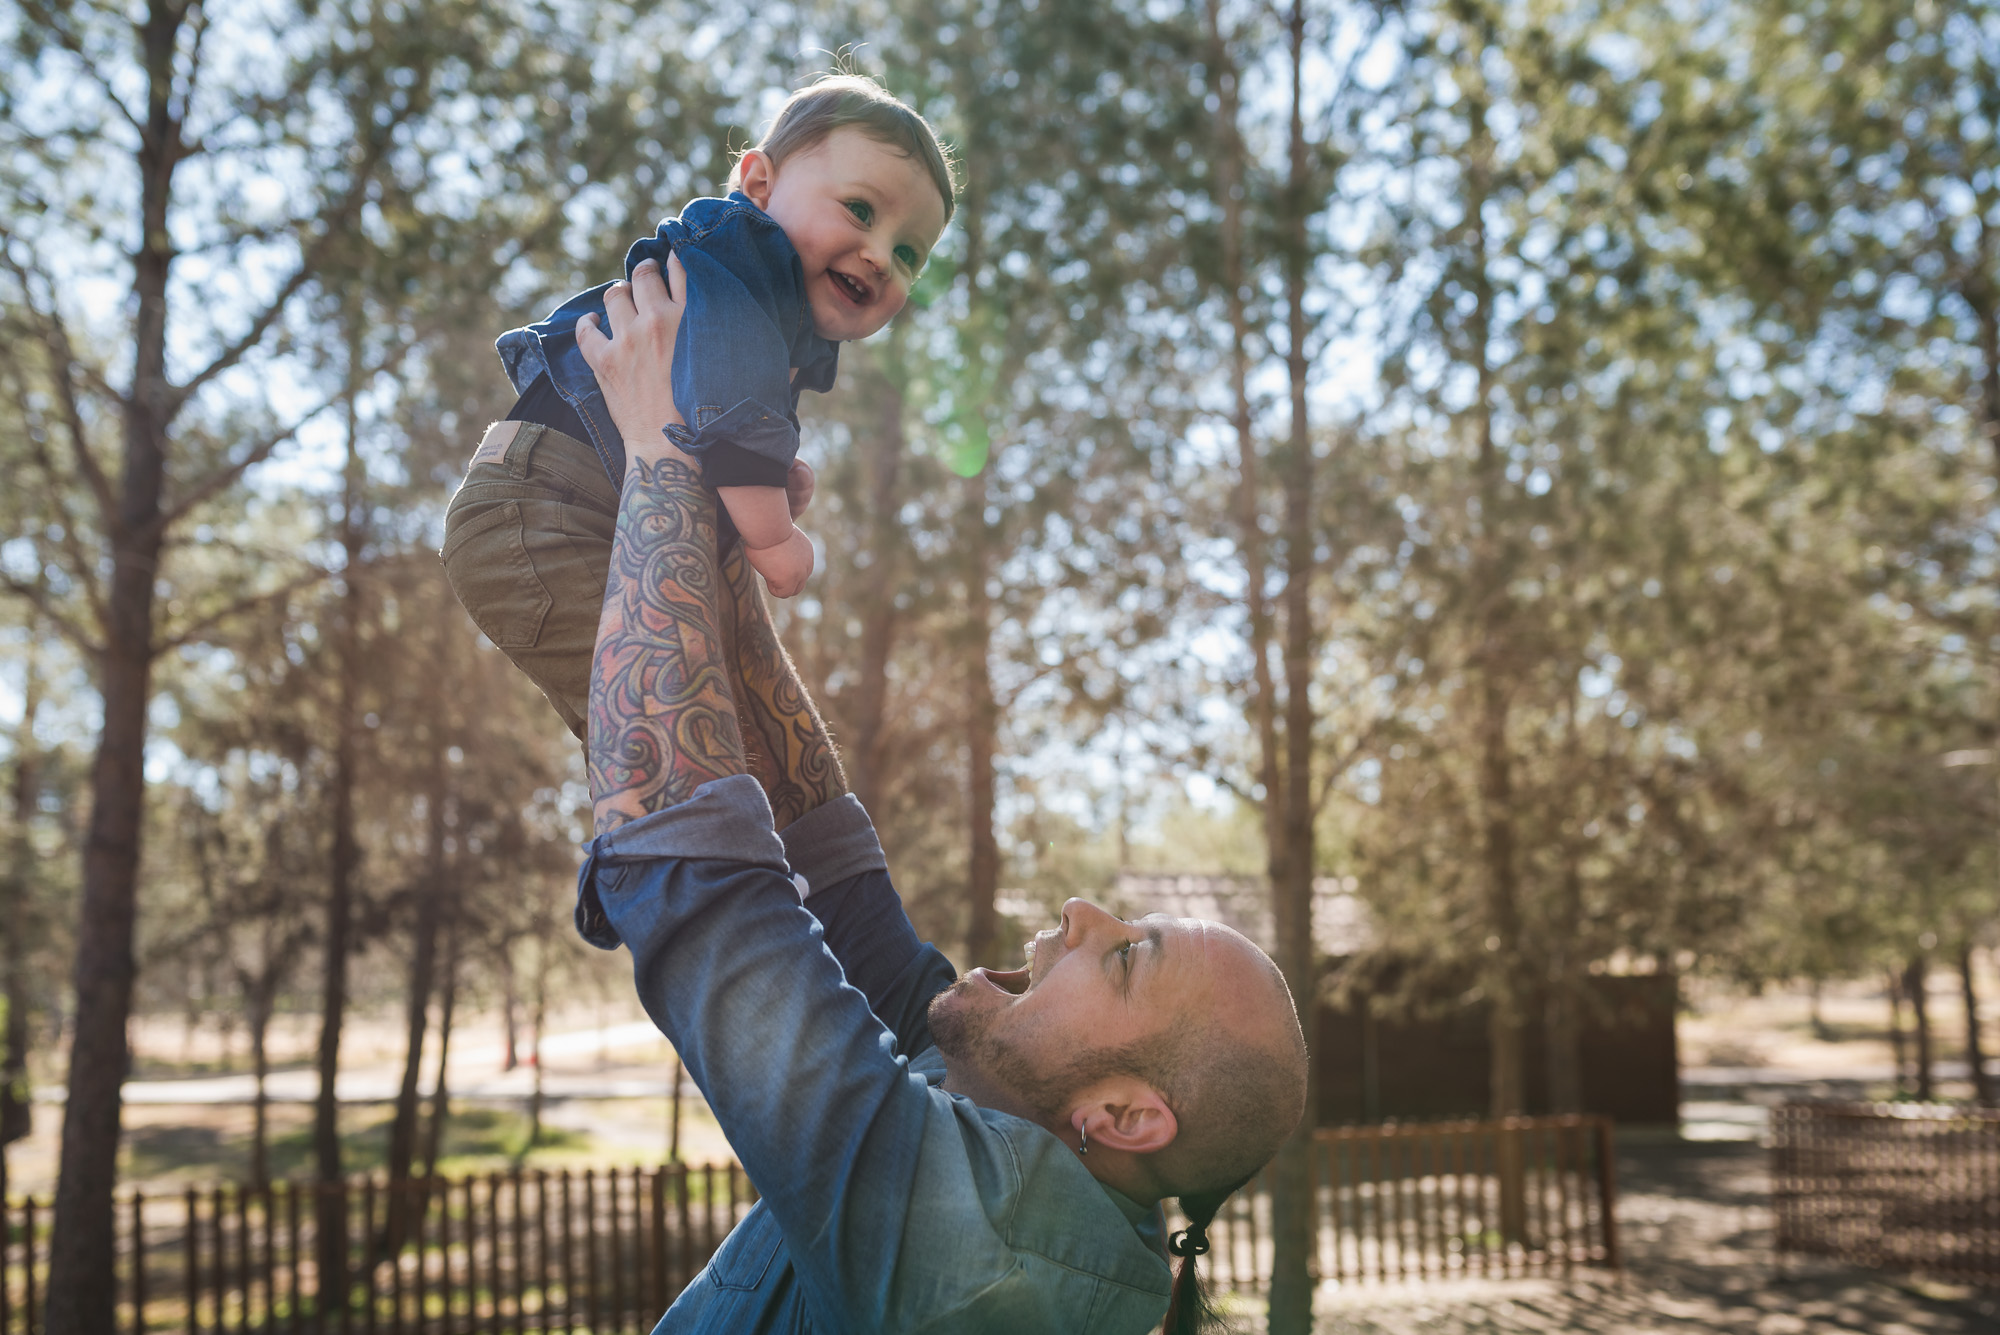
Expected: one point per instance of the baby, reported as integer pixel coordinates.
(828, 222)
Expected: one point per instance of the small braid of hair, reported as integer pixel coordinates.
(1189, 1311)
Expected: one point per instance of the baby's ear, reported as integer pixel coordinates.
(755, 175)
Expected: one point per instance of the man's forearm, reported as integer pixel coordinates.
(803, 769)
(662, 716)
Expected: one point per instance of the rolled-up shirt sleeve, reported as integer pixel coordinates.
(897, 1206)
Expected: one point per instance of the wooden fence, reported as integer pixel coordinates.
(1912, 1187)
(601, 1249)
(1440, 1200)
(608, 1249)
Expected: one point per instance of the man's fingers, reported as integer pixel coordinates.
(660, 294)
(618, 306)
(590, 340)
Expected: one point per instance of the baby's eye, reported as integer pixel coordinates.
(908, 255)
(1125, 954)
(862, 210)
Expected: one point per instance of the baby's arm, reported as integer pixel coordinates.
(776, 548)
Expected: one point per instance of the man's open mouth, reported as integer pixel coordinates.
(851, 289)
(1012, 981)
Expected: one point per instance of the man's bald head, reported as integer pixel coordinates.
(1185, 1007)
(1235, 1077)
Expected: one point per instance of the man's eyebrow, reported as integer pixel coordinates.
(1156, 936)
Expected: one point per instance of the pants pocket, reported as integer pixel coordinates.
(486, 559)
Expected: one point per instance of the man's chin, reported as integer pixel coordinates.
(950, 1022)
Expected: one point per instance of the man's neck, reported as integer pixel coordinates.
(1128, 1173)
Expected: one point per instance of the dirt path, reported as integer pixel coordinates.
(1696, 1227)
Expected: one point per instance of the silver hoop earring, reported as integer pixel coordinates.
(1083, 1140)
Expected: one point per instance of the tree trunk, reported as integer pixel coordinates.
(262, 996)
(81, 1250)
(1896, 1043)
(343, 861)
(16, 911)
(1917, 984)
(1230, 154)
(423, 970)
(1975, 1047)
(538, 1023)
(982, 726)
(510, 1004)
(441, 1094)
(865, 749)
(674, 1114)
(1291, 1175)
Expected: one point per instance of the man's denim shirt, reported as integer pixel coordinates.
(747, 324)
(888, 1204)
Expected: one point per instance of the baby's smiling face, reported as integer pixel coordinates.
(863, 218)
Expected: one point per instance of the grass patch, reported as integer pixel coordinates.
(214, 1145)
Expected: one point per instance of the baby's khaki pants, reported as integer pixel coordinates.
(527, 548)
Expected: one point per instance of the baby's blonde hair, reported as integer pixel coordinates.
(838, 100)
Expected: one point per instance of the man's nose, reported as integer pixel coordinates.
(1080, 917)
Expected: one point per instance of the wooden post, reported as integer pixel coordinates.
(28, 1261)
(542, 1238)
(590, 1247)
(292, 1261)
(568, 1253)
(1607, 1192)
(190, 1254)
(686, 1239)
(494, 1284)
(138, 1265)
(663, 1292)
(613, 1241)
(420, 1284)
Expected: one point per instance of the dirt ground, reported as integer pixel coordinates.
(1695, 1225)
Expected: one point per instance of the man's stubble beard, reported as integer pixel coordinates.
(971, 1037)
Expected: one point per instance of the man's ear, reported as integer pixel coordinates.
(1125, 1114)
(755, 175)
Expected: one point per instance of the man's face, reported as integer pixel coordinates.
(863, 218)
(1092, 985)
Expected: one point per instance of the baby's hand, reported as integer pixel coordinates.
(786, 566)
(799, 486)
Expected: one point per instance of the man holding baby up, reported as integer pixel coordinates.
(979, 1155)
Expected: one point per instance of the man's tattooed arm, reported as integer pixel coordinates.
(662, 714)
(799, 767)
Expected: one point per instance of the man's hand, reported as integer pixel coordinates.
(634, 363)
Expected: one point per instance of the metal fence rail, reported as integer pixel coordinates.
(602, 1249)
(1439, 1200)
(1912, 1187)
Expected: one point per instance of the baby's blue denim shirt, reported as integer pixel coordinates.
(747, 324)
(888, 1204)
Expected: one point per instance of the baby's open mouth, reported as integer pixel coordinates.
(855, 292)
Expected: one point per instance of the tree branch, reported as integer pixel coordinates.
(38, 599)
(55, 338)
(334, 226)
(208, 623)
(226, 476)
(67, 39)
